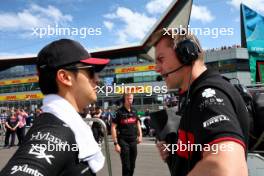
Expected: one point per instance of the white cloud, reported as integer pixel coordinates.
(110, 16)
(157, 6)
(254, 4)
(34, 16)
(134, 25)
(109, 25)
(16, 55)
(201, 13)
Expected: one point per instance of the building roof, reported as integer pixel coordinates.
(178, 13)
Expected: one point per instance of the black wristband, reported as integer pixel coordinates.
(115, 143)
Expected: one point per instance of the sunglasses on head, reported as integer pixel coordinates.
(90, 70)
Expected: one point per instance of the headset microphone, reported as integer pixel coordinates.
(159, 78)
(175, 70)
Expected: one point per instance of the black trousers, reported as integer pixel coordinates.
(97, 133)
(7, 136)
(147, 130)
(20, 135)
(128, 155)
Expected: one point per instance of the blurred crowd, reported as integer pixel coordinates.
(223, 48)
(14, 122)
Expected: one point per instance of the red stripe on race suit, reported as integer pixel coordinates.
(182, 151)
(228, 139)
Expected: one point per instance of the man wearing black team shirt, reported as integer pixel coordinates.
(126, 134)
(11, 125)
(60, 143)
(214, 121)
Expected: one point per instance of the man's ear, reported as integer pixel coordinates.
(64, 77)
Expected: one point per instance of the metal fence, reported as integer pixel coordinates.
(106, 145)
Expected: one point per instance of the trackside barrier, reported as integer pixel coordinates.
(255, 164)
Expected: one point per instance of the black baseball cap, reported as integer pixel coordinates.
(65, 52)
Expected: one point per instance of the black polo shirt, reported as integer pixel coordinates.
(12, 122)
(214, 112)
(126, 123)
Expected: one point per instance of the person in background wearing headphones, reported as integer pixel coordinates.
(214, 124)
(126, 134)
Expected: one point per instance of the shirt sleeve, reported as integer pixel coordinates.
(7, 120)
(117, 117)
(43, 153)
(216, 118)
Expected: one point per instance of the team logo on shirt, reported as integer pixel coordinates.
(210, 99)
(47, 137)
(215, 119)
(207, 93)
(39, 152)
(131, 120)
(24, 168)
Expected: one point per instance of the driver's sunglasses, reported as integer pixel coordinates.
(88, 68)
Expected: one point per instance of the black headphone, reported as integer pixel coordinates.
(187, 51)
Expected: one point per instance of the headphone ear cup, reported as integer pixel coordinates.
(187, 52)
(183, 58)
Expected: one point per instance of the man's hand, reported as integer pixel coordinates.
(162, 150)
(117, 148)
(12, 129)
(139, 139)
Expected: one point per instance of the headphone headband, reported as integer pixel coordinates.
(187, 51)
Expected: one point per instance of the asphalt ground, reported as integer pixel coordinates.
(148, 160)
